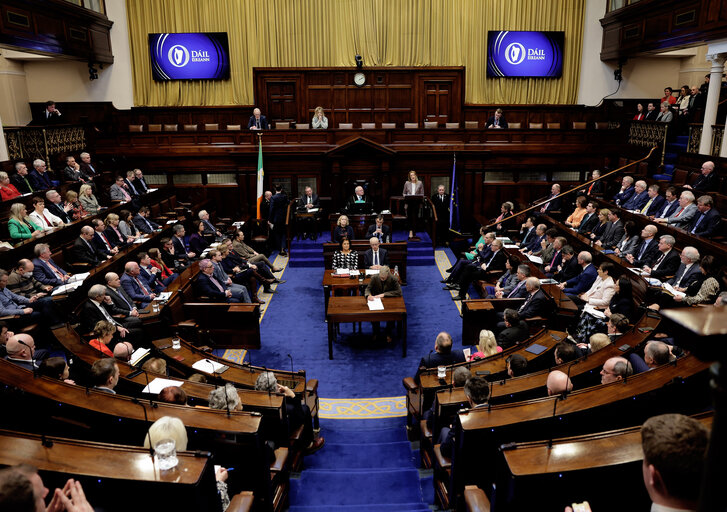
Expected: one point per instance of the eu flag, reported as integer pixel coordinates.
(454, 220)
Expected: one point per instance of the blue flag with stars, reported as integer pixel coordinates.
(454, 220)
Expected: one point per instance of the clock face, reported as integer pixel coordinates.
(359, 79)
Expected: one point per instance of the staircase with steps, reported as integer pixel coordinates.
(673, 148)
(363, 468)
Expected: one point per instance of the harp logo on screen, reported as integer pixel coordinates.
(178, 56)
(515, 53)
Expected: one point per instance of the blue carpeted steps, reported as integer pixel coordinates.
(361, 470)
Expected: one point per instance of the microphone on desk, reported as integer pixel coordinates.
(291, 364)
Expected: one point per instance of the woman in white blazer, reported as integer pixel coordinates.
(42, 217)
(601, 293)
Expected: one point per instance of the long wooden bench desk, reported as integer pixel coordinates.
(397, 252)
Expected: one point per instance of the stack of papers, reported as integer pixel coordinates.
(593, 311)
(505, 240)
(536, 259)
(548, 281)
(372, 272)
(66, 288)
(673, 291)
(511, 246)
(140, 240)
(155, 386)
(375, 305)
(172, 221)
(79, 277)
(164, 296)
(151, 190)
(209, 366)
(138, 355)
(238, 224)
(342, 272)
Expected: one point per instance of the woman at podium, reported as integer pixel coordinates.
(413, 187)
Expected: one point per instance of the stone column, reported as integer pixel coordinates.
(3, 146)
(710, 108)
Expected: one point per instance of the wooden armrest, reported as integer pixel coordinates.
(410, 384)
(189, 324)
(9, 317)
(242, 502)
(281, 458)
(311, 386)
(296, 435)
(425, 430)
(442, 461)
(475, 499)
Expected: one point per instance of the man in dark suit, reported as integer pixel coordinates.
(516, 330)
(497, 121)
(554, 202)
(583, 281)
(121, 302)
(707, 181)
(54, 204)
(443, 354)
(45, 269)
(140, 182)
(640, 197)
(537, 303)
(257, 121)
(101, 241)
(613, 233)
(278, 211)
(84, 252)
(688, 271)
(376, 256)
(359, 202)
(590, 219)
(135, 287)
(379, 230)
(309, 201)
(569, 267)
(73, 171)
(265, 205)
(50, 114)
(654, 203)
(708, 220)
(477, 391)
(39, 177)
(20, 178)
(651, 112)
(180, 249)
(142, 222)
(627, 190)
(535, 243)
(440, 200)
(496, 262)
(98, 307)
(670, 205)
(527, 232)
(87, 167)
(206, 284)
(381, 285)
(132, 185)
(648, 250)
(667, 263)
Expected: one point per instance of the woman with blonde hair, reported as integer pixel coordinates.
(20, 225)
(412, 187)
(78, 211)
(88, 200)
(320, 121)
(7, 190)
(343, 230)
(487, 346)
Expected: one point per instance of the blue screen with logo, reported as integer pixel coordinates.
(524, 54)
(190, 56)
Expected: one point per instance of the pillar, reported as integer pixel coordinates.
(710, 108)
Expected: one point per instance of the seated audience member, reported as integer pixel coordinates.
(208, 286)
(382, 285)
(140, 182)
(359, 201)
(73, 172)
(621, 303)
(22, 490)
(20, 226)
(509, 280)
(169, 256)
(246, 274)
(104, 332)
(527, 235)
(477, 391)
(574, 219)
(88, 200)
(639, 199)
(545, 238)
(688, 272)
(344, 257)
(459, 378)
(180, 248)
(379, 230)
(169, 427)
(127, 227)
(596, 187)
(43, 218)
(20, 179)
(209, 229)
(7, 190)
(55, 368)
(654, 203)
(342, 230)
(22, 282)
(21, 351)
(707, 221)
(665, 114)
(257, 121)
(616, 369)
(166, 274)
(549, 246)
(113, 233)
(601, 291)
(87, 167)
(517, 365)
(684, 215)
(640, 115)
(505, 213)
(667, 262)
(565, 352)
(142, 222)
(30, 311)
(707, 180)
(554, 202)
(173, 395)
(482, 254)
(121, 303)
(569, 267)
(629, 241)
(154, 275)
(197, 242)
(595, 343)
(674, 448)
(298, 413)
(516, 330)
(319, 121)
(558, 383)
(155, 365)
(613, 233)
(668, 96)
(77, 211)
(537, 303)
(704, 291)
(616, 326)
(135, 286)
(496, 262)
(248, 254)
(101, 240)
(39, 177)
(656, 353)
(600, 227)
(105, 375)
(626, 192)
(45, 269)
(131, 184)
(554, 255)
(119, 191)
(670, 205)
(220, 274)
(583, 281)
(443, 354)
(647, 252)
(97, 309)
(486, 347)
(496, 120)
(376, 256)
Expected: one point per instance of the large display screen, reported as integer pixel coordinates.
(524, 54)
(190, 56)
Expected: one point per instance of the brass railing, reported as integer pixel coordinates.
(695, 138)
(717, 136)
(31, 142)
(649, 134)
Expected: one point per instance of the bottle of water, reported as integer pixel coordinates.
(396, 270)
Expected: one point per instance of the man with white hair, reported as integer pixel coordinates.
(558, 383)
(583, 281)
(667, 262)
(554, 202)
(685, 214)
(257, 121)
(639, 199)
(29, 311)
(209, 228)
(135, 286)
(100, 307)
(87, 168)
(39, 177)
(688, 271)
(627, 190)
(706, 181)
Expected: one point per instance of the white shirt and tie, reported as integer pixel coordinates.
(375, 257)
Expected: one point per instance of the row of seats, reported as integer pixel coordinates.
(430, 125)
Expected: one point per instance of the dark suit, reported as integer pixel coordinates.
(656, 206)
(353, 204)
(384, 237)
(623, 196)
(686, 277)
(441, 206)
(647, 256)
(39, 181)
(133, 190)
(43, 273)
(88, 169)
(84, 252)
(651, 115)
(262, 123)
(667, 209)
(513, 335)
(58, 211)
(534, 244)
(553, 204)
(491, 121)
(587, 224)
(113, 238)
(436, 359)
(474, 272)
(636, 202)
(668, 266)
(21, 183)
(122, 303)
(612, 235)
(144, 225)
(582, 282)
(315, 201)
(278, 211)
(133, 290)
(71, 174)
(205, 287)
(569, 269)
(705, 183)
(91, 315)
(99, 245)
(709, 223)
(538, 304)
(368, 258)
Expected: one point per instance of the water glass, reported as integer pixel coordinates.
(176, 343)
(165, 452)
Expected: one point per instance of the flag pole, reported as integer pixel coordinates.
(260, 173)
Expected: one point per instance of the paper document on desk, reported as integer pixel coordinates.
(172, 221)
(673, 291)
(593, 311)
(511, 246)
(536, 259)
(372, 272)
(155, 386)
(354, 272)
(66, 288)
(548, 281)
(342, 271)
(375, 305)
(140, 240)
(164, 296)
(637, 271)
(653, 281)
(238, 224)
(208, 366)
(503, 239)
(151, 190)
(138, 355)
(313, 210)
(78, 277)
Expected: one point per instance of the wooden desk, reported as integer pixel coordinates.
(354, 309)
(332, 283)
(360, 223)
(397, 255)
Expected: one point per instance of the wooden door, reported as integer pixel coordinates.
(437, 100)
(281, 101)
